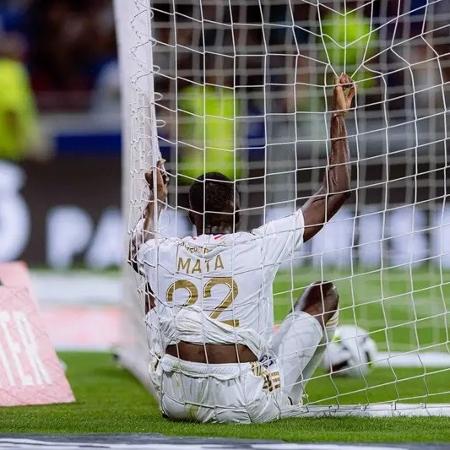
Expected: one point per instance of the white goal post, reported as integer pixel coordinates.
(243, 87)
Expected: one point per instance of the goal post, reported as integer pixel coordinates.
(244, 87)
(140, 151)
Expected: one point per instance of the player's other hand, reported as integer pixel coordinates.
(344, 92)
(162, 180)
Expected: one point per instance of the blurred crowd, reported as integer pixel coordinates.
(61, 55)
(66, 46)
(69, 45)
(242, 91)
(55, 55)
(246, 78)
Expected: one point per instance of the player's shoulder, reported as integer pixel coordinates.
(158, 243)
(215, 239)
(196, 243)
(218, 240)
(287, 223)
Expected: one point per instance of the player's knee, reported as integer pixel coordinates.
(325, 287)
(329, 296)
(321, 296)
(330, 293)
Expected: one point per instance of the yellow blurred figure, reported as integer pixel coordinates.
(19, 131)
(354, 42)
(207, 132)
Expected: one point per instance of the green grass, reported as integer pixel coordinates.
(109, 400)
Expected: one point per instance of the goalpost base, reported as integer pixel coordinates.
(376, 410)
(412, 359)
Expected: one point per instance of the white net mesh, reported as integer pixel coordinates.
(243, 88)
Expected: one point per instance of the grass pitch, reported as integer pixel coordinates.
(110, 400)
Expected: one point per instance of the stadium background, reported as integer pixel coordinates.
(60, 167)
(60, 212)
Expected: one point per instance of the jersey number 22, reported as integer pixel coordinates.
(193, 295)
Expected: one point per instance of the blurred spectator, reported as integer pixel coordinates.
(207, 128)
(72, 41)
(19, 130)
(349, 41)
(106, 96)
(13, 15)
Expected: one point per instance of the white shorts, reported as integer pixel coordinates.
(260, 391)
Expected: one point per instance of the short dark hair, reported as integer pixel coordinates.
(215, 193)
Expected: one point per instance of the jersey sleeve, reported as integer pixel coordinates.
(281, 238)
(141, 251)
(146, 256)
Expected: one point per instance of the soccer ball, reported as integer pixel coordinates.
(350, 353)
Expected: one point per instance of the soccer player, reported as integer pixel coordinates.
(215, 356)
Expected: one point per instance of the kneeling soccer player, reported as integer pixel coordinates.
(217, 357)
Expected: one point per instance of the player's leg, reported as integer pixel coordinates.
(320, 300)
(302, 337)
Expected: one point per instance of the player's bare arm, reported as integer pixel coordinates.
(335, 188)
(160, 198)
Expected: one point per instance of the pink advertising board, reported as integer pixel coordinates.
(30, 371)
(15, 274)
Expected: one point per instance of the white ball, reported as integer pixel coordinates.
(351, 352)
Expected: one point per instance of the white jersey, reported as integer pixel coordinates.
(218, 288)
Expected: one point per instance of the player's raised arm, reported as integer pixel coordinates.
(335, 187)
(158, 179)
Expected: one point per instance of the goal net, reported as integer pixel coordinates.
(244, 88)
